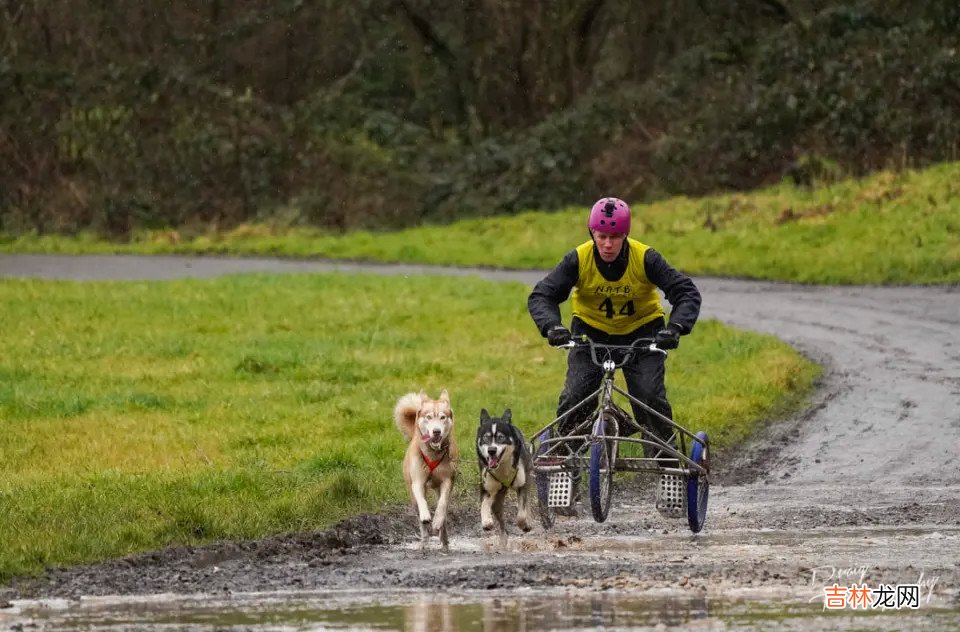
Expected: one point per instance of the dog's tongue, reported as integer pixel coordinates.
(492, 462)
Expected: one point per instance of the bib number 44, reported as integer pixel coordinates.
(611, 311)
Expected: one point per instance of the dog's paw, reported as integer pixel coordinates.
(524, 526)
(487, 526)
(437, 525)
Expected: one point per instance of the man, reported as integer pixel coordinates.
(614, 282)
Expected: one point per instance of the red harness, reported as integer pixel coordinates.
(432, 464)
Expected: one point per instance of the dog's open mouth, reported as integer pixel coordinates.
(436, 444)
(493, 461)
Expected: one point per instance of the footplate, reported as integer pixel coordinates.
(672, 496)
(560, 491)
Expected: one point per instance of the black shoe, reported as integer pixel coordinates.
(652, 452)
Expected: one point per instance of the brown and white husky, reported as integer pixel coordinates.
(431, 457)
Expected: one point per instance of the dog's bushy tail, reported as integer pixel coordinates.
(405, 414)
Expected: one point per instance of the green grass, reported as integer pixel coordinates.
(137, 415)
(890, 228)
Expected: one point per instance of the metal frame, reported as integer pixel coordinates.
(670, 460)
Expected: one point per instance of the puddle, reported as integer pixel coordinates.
(525, 609)
(768, 594)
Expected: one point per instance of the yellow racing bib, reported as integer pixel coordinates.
(615, 307)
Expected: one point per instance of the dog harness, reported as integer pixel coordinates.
(615, 307)
(507, 485)
(432, 465)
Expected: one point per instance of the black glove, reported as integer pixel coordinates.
(558, 335)
(668, 337)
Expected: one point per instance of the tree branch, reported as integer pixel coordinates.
(427, 34)
(583, 28)
(779, 9)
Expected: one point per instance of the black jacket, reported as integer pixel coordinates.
(553, 289)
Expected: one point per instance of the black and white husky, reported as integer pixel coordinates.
(505, 464)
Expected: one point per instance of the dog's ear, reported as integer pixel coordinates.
(444, 396)
(484, 415)
(507, 416)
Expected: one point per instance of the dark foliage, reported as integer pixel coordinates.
(386, 113)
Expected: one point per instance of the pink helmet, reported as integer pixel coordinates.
(610, 215)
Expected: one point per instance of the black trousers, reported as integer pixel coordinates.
(644, 376)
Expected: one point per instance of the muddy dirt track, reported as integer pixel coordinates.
(863, 487)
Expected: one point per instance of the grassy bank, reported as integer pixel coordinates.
(887, 229)
(136, 415)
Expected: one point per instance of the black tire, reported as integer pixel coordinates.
(602, 459)
(543, 487)
(698, 487)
